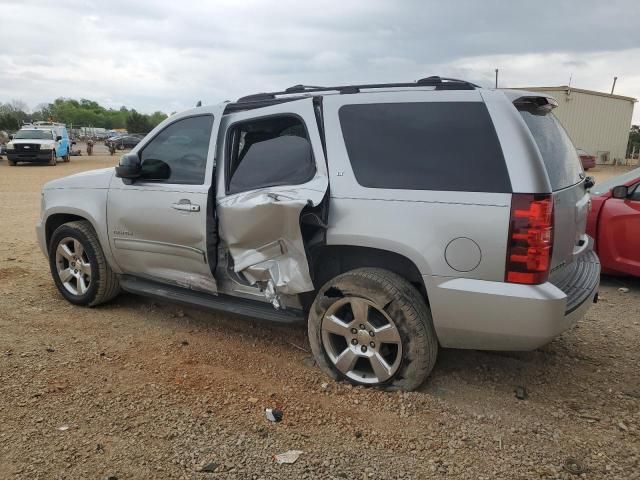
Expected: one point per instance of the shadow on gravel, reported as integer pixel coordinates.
(632, 283)
(172, 315)
(459, 375)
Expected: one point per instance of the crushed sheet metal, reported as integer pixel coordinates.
(262, 231)
(271, 294)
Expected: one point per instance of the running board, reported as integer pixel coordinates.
(220, 303)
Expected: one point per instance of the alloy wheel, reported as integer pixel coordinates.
(73, 266)
(361, 340)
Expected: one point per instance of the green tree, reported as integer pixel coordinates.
(138, 123)
(78, 113)
(12, 115)
(156, 117)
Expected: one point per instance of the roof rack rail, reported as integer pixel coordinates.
(440, 83)
(301, 88)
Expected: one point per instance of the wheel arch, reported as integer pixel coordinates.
(329, 261)
(60, 215)
(55, 220)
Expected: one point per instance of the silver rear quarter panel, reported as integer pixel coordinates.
(418, 224)
(471, 307)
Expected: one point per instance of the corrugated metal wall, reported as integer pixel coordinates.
(596, 123)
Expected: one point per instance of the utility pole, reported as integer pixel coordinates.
(496, 78)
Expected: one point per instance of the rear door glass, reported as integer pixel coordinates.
(558, 153)
(446, 146)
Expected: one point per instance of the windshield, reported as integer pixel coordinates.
(607, 185)
(34, 135)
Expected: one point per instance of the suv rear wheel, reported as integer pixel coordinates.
(78, 266)
(372, 327)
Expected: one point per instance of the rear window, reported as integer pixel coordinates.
(558, 153)
(450, 146)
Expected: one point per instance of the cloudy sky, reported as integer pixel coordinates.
(166, 55)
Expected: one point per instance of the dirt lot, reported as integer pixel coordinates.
(139, 389)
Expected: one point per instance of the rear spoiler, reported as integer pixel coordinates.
(536, 105)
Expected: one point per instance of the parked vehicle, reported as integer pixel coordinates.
(614, 223)
(588, 161)
(129, 141)
(113, 138)
(126, 141)
(40, 142)
(4, 138)
(357, 209)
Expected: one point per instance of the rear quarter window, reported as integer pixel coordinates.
(448, 146)
(558, 152)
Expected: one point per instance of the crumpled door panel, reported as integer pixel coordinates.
(262, 232)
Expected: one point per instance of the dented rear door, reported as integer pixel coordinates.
(266, 184)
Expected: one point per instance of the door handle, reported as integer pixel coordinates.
(185, 206)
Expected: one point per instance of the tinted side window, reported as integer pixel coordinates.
(449, 146)
(558, 153)
(183, 148)
(269, 152)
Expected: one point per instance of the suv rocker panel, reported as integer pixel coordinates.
(221, 303)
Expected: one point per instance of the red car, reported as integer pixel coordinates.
(614, 223)
(588, 161)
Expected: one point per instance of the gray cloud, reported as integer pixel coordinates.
(166, 55)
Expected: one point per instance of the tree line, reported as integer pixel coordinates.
(78, 113)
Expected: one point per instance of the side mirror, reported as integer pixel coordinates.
(129, 167)
(58, 138)
(621, 191)
(155, 170)
(589, 182)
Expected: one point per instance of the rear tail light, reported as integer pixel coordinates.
(530, 239)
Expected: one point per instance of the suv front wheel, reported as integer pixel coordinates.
(372, 327)
(78, 266)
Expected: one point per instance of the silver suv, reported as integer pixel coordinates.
(392, 218)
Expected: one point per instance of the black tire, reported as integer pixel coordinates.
(104, 285)
(53, 160)
(402, 303)
(12, 163)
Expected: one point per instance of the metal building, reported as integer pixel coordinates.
(597, 122)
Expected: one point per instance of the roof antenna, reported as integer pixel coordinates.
(615, 79)
(199, 104)
(496, 78)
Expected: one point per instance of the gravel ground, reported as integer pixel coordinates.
(140, 389)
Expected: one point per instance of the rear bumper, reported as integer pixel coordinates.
(486, 315)
(40, 156)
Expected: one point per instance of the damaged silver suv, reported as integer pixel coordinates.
(393, 219)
